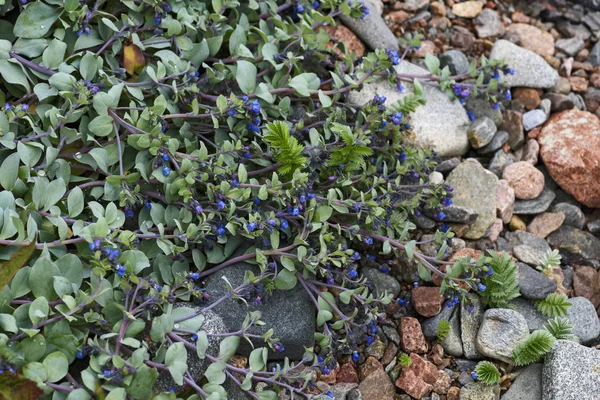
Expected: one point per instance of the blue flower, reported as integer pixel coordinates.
(299, 8)
(165, 157)
(415, 284)
(490, 271)
(474, 375)
(384, 269)
(370, 340)
(445, 228)
(166, 171)
(481, 287)
(383, 123)
(221, 230)
(507, 96)
(311, 196)
(7, 107)
(295, 212)
(253, 128)
(315, 4)
(148, 206)
(356, 256)
(25, 107)
(79, 355)
(195, 276)
(496, 106)
(471, 115)
(302, 199)
(121, 270)
(255, 108)
(369, 240)
(158, 20)
(441, 216)
(198, 209)
(355, 356)
(511, 71)
(251, 226)
(220, 205)
(353, 274)
(326, 371)
(232, 112)
(107, 373)
(284, 224)
(235, 182)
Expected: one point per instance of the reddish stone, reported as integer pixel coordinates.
(347, 373)
(586, 283)
(534, 133)
(544, 224)
(505, 201)
(495, 230)
(533, 39)
(438, 9)
(532, 150)
(330, 378)
(398, 17)
(377, 386)
(529, 97)
(595, 80)
(340, 33)
(427, 47)
(418, 379)
(453, 393)
(443, 382)
(370, 365)
(525, 179)
(411, 335)
(578, 84)
(519, 17)
(570, 149)
(427, 300)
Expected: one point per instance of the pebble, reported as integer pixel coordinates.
(544, 224)
(495, 231)
(570, 46)
(500, 332)
(505, 201)
(429, 325)
(470, 323)
(479, 391)
(489, 24)
(571, 372)
(531, 70)
(414, 5)
(579, 84)
(372, 30)
(533, 118)
(500, 161)
(573, 30)
(517, 224)
(481, 131)
(411, 336)
(529, 97)
(573, 215)
(532, 149)
(456, 61)
(535, 206)
(559, 102)
(527, 385)
(586, 283)
(576, 245)
(467, 9)
(475, 188)
(513, 124)
(427, 300)
(448, 165)
(526, 180)
(534, 285)
(456, 213)
(527, 247)
(594, 226)
(382, 283)
(340, 390)
(499, 139)
(482, 108)
(594, 56)
(377, 385)
(418, 379)
(532, 38)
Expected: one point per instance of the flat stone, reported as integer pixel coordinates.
(475, 188)
(481, 131)
(456, 61)
(570, 149)
(516, 224)
(411, 336)
(447, 166)
(470, 323)
(482, 108)
(513, 124)
(500, 161)
(527, 247)
(457, 214)
(526, 180)
(572, 30)
(531, 70)
(418, 379)
(489, 24)
(546, 223)
(535, 206)
(570, 46)
(533, 39)
(414, 5)
(527, 386)
(571, 372)
(505, 201)
(467, 9)
(452, 344)
(500, 332)
(559, 102)
(377, 385)
(535, 319)
(440, 122)
(479, 391)
(281, 311)
(341, 33)
(532, 149)
(530, 98)
(429, 325)
(382, 283)
(592, 20)
(586, 283)
(576, 245)
(533, 284)
(594, 56)
(427, 300)
(573, 215)
(495, 144)
(340, 390)
(372, 30)
(533, 118)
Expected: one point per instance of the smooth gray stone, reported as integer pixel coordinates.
(533, 118)
(482, 108)
(454, 213)
(290, 313)
(499, 139)
(489, 24)
(533, 284)
(481, 132)
(452, 344)
(570, 46)
(535, 206)
(500, 161)
(429, 325)
(576, 245)
(479, 391)
(340, 390)
(528, 247)
(573, 215)
(447, 165)
(571, 372)
(470, 323)
(382, 283)
(527, 386)
(456, 61)
(372, 30)
(500, 332)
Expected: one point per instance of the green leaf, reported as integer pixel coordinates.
(57, 366)
(62, 81)
(323, 316)
(43, 91)
(14, 74)
(258, 359)
(101, 126)
(214, 373)
(54, 54)
(8, 323)
(433, 63)
(141, 386)
(202, 345)
(286, 280)
(9, 171)
(41, 278)
(54, 192)
(103, 101)
(75, 202)
(116, 394)
(29, 153)
(176, 361)
(36, 20)
(161, 326)
(88, 67)
(9, 268)
(228, 347)
(245, 76)
(36, 372)
(409, 248)
(38, 310)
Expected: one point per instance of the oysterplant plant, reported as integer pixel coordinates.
(142, 142)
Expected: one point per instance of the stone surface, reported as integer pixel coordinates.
(475, 188)
(377, 385)
(458, 214)
(530, 98)
(576, 245)
(482, 108)
(573, 215)
(489, 24)
(427, 300)
(535, 206)
(505, 201)
(544, 224)
(411, 336)
(500, 161)
(341, 390)
(280, 311)
(559, 102)
(586, 283)
(500, 332)
(381, 283)
(516, 224)
(470, 323)
(440, 122)
(414, 5)
(495, 144)
(467, 9)
(527, 386)
(531, 70)
(570, 149)
(418, 379)
(571, 372)
(532, 38)
(526, 180)
(527, 247)
(429, 325)
(533, 284)
(481, 131)
(535, 319)
(479, 391)
(513, 124)
(570, 46)
(340, 33)
(372, 30)
(533, 118)
(594, 56)
(532, 150)
(456, 61)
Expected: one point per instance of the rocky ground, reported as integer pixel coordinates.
(526, 180)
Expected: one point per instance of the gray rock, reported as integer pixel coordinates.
(571, 30)
(513, 124)
(594, 56)
(535, 206)
(489, 24)
(289, 312)
(592, 21)
(568, 273)
(582, 315)
(456, 61)
(573, 215)
(429, 325)
(482, 108)
(475, 188)
(447, 165)
(414, 5)
(441, 122)
(571, 372)
(340, 390)
(372, 30)
(594, 226)
(213, 324)
(533, 284)
(392, 334)
(535, 319)
(528, 247)
(531, 70)
(559, 102)
(479, 391)
(499, 139)
(527, 386)
(576, 245)
(470, 323)
(455, 213)
(424, 222)
(382, 283)
(577, 100)
(533, 118)
(465, 365)
(570, 46)
(465, 378)
(354, 394)
(452, 344)
(500, 332)
(481, 131)
(500, 161)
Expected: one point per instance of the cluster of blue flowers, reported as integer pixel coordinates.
(254, 111)
(393, 56)
(462, 92)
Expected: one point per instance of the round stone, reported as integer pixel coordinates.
(525, 179)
